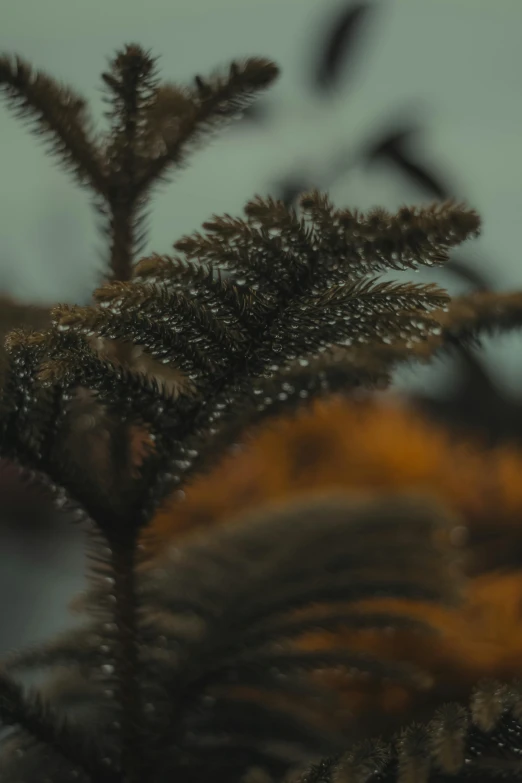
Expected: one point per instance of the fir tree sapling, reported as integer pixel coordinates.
(190, 665)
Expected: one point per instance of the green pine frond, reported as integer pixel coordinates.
(179, 118)
(477, 742)
(60, 115)
(205, 283)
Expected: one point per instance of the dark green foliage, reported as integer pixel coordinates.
(460, 326)
(295, 299)
(195, 667)
(481, 743)
(203, 640)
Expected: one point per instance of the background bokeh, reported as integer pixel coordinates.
(380, 103)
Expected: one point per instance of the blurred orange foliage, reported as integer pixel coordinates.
(367, 447)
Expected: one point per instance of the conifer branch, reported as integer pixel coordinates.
(31, 417)
(379, 240)
(40, 721)
(480, 741)
(180, 117)
(136, 328)
(310, 312)
(351, 313)
(34, 440)
(176, 310)
(113, 518)
(15, 314)
(341, 574)
(131, 82)
(227, 300)
(277, 251)
(463, 321)
(76, 647)
(136, 397)
(482, 312)
(60, 114)
(253, 256)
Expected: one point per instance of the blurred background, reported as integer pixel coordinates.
(380, 103)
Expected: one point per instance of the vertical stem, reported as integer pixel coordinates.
(121, 260)
(126, 659)
(123, 544)
(122, 235)
(123, 202)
